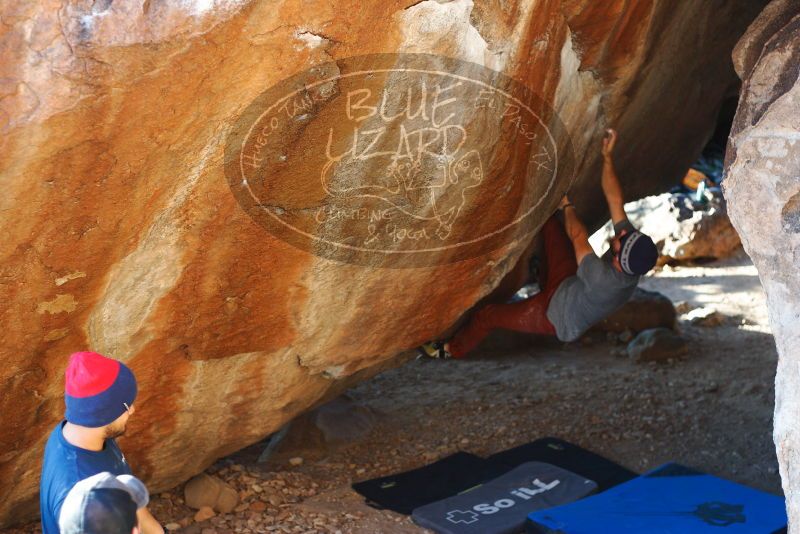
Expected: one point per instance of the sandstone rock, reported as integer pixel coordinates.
(775, 16)
(206, 512)
(227, 500)
(705, 317)
(258, 506)
(273, 496)
(122, 233)
(645, 309)
(296, 461)
(202, 490)
(657, 345)
(207, 491)
(762, 186)
(706, 235)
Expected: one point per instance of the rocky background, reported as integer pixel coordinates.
(120, 233)
(763, 191)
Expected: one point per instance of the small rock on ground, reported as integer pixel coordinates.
(707, 317)
(657, 345)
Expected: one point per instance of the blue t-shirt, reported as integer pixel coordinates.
(65, 465)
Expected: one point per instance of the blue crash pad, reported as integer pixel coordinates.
(669, 499)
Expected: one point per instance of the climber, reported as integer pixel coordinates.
(103, 504)
(578, 289)
(99, 400)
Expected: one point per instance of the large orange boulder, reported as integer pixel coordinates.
(256, 204)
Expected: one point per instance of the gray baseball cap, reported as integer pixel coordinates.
(103, 504)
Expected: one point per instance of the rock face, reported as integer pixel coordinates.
(124, 233)
(762, 186)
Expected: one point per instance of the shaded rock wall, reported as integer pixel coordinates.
(762, 186)
(121, 234)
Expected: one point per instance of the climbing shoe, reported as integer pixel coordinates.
(434, 349)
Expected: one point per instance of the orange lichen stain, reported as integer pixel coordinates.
(541, 71)
(608, 36)
(55, 335)
(161, 377)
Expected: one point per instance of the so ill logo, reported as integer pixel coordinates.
(485, 509)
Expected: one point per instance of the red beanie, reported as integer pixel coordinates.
(97, 389)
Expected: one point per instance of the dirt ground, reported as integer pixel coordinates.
(711, 410)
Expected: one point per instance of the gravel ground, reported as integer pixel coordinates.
(711, 410)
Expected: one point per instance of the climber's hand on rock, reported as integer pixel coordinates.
(609, 140)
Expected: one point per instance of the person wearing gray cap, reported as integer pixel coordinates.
(103, 504)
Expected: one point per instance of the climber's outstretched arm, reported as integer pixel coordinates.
(611, 188)
(576, 231)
